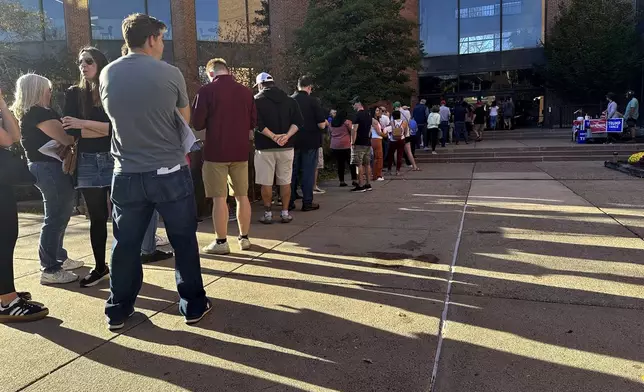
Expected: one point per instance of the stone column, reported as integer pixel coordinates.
(184, 41)
(77, 25)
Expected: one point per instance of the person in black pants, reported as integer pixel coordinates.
(86, 120)
(341, 146)
(13, 306)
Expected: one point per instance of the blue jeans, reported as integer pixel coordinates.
(493, 122)
(305, 161)
(149, 240)
(445, 128)
(57, 189)
(135, 196)
(460, 132)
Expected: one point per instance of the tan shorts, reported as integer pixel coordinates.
(274, 163)
(361, 155)
(220, 177)
(321, 158)
(479, 127)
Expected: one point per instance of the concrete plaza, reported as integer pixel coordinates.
(541, 265)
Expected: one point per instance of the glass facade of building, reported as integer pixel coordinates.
(225, 20)
(449, 27)
(53, 28)
(106, 16)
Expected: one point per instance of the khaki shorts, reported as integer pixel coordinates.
(360, 155)
(220, 177)
(479, 127)
(321, 158)
(274, 163)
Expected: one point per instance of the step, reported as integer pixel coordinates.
(439, 159)
(621, 154)
(599, 149)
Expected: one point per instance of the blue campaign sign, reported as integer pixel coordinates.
(615, 125)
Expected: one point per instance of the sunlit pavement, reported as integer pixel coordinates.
(542, 266)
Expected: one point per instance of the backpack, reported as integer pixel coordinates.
(413, 126)
(397, 131)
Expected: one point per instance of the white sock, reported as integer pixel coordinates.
(284, 212)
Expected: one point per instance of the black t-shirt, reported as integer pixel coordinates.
(363, 120)
(73, 109)
(310, 136)
(480, 115)
(33, 137)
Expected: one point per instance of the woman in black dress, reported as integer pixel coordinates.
(86, 119)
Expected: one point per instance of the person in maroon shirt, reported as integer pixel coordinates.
(226, 110)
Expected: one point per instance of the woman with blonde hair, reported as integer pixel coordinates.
(86, 120)
(40, 125)
(13, 306)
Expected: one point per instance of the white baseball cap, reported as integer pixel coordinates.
(263, 77)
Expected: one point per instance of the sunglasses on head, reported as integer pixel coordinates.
(88, 61)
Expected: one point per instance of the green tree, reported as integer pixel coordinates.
(356, 47)
(593, 49)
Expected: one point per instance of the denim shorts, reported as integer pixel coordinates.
(94, 170)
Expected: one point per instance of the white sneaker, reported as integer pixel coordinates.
(69, 264)
(434, 153)
(380, 179)
(244, 243)
(217, 249)
(161, 241)
(318, 191)
(58, 277)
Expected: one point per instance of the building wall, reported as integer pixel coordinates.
(286, 16)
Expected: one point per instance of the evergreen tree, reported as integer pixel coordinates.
(357, 47)
(593, 49)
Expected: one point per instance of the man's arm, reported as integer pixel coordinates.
(354, 133)
(183, 104)
(9, 122)
(200, 110)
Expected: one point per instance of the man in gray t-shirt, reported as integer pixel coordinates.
(144, 98)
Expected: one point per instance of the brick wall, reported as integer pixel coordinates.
(77, 24)
(286, 16)
(184, 41)
(410, 11)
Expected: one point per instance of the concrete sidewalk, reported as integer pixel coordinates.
(541, 266)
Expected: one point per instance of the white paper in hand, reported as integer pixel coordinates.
(51, 149)
(188, 138)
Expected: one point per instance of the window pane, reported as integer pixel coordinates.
(107, 15)
(160, 9)
(439, 26)
(522, 24)
(24, 26)
(222, 20)
(207, 19)
(54, 19)
(480, 26)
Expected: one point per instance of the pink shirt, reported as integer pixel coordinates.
(341, 136)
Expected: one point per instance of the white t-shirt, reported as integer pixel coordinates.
(494, 111)
(374, 134)
(405, 114)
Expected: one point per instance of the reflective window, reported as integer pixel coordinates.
(207, 16)
(160, 9)
(522, 24)
(439, 26)
(481, 27)
(106, 17)
(54, 13)
(226, 20)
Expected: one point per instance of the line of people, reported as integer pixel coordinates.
(125, 120)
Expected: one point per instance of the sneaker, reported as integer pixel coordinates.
(310, 207)
(158, 255)
(70, 265)
(24, 295)
(195, 320)
(217, 249)
(434, 153)
(343, 184)
(286, 218)
(244, 243)
(358, 189)
(355, 183)
(426, 149)
(267, 218)
(368, 187)
(116, 326)
(58, 277)
(318, 191)
(20, 310)
(380, 179)
(161, 241)
(95, 277)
